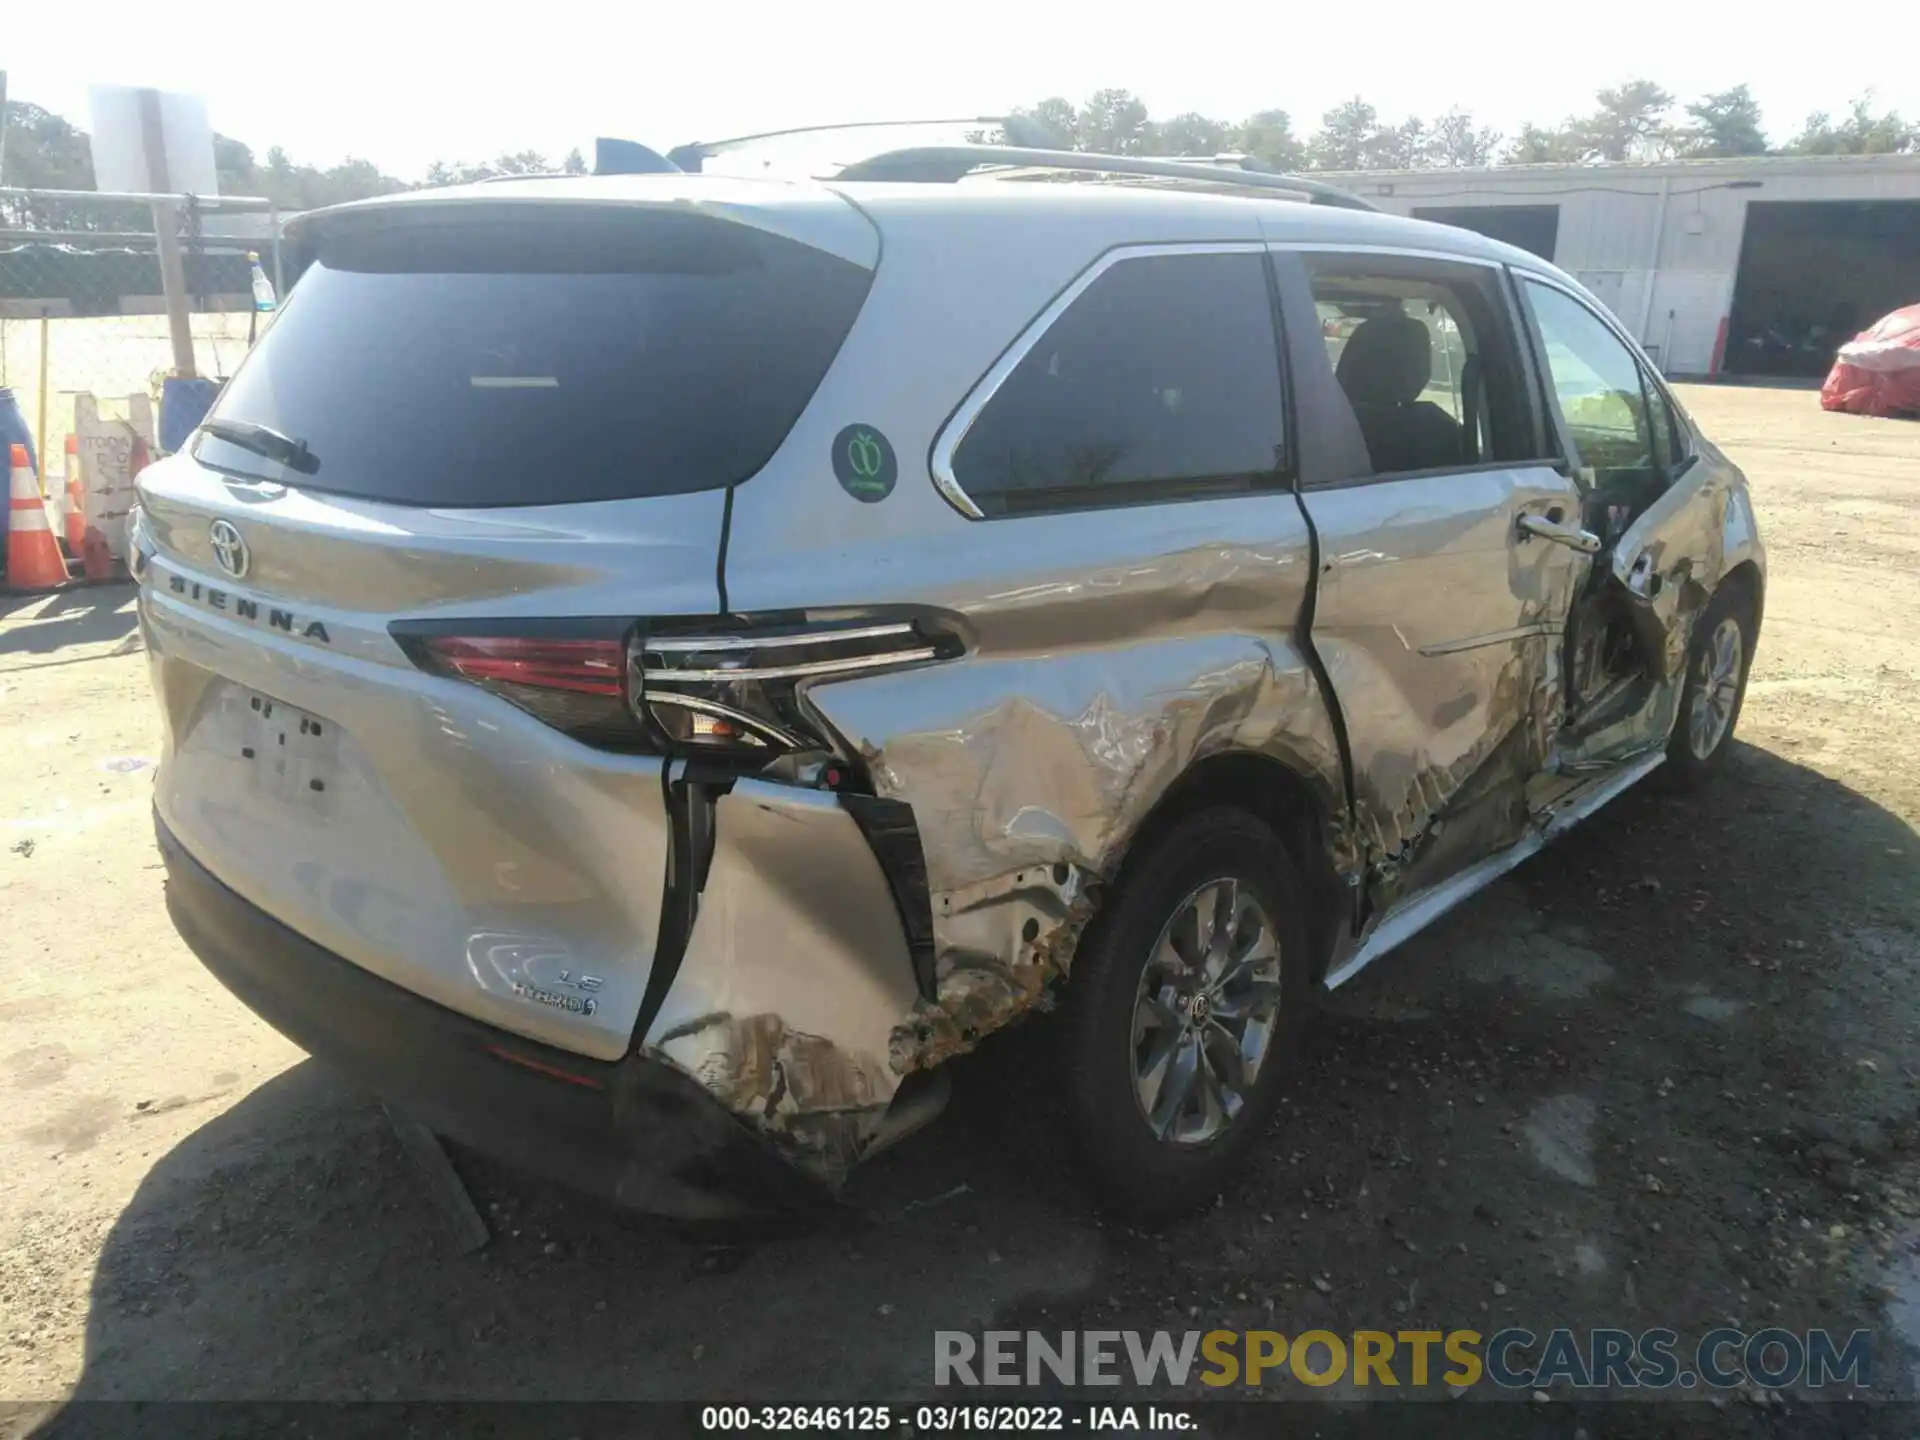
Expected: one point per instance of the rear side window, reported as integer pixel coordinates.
(1160, 381)
(1424, 351)
(505, 360)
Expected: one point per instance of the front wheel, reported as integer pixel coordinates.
(1718, 659)
(1186, 1005)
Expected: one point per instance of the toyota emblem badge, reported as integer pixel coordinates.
(228, 548)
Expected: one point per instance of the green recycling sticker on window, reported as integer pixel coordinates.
(864, 463)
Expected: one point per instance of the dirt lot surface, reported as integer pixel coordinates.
(1665, 1074)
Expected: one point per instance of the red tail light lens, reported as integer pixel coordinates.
(576, 683)
(587, 667)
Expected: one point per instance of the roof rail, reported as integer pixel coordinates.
(1021, 128)
(1232, 159)
(944, 164)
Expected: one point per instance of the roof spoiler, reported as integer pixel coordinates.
(629, 157)
(945, 164)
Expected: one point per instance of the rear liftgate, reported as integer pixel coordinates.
(672, 330)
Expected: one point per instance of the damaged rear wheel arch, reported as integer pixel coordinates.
(1745, 579)
(1281, 797)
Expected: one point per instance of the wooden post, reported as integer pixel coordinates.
(166, 226)
(46, 371)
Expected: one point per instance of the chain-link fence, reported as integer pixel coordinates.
(82, 307)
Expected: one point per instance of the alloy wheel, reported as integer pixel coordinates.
(1206, 1013)
(1716, 688)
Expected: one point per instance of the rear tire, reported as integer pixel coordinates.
(1718, 660)
(1186, 1006)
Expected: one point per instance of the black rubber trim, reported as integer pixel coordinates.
(408, 633)
(720, 560)
(637, 1132)
(689, 799)
(894, 837)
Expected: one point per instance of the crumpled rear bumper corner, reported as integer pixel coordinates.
(637, 1131)
(796, 972)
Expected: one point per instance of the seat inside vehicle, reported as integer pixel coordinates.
(1385, 365)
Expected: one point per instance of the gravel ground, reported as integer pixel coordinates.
(1664, 1074)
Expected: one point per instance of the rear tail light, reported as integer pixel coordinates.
(586, 667)
(740, 691)
(732, 688)
(575, 683)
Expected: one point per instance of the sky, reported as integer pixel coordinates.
(404, 84)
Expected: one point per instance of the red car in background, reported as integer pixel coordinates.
(1878, 371)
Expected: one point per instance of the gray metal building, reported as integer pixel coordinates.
(1752, 266)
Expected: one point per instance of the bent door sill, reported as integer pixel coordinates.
(1417, 912)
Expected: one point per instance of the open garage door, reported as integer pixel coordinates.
(1812, 275)
(1534, 228)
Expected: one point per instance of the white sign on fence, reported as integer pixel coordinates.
(120, 151)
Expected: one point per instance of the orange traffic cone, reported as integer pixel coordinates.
(33, 555)
(76, 500)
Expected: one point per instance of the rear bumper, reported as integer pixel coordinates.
(636, 1131)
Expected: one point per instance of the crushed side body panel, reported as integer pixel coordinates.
(1441, 636)
(1662, 573)
(1031, 764)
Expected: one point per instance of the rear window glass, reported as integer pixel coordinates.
(503, 360)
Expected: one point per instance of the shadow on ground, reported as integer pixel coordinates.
(46, 625)
(1639, 1083)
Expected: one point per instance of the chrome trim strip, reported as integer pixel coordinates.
(671, 645)
(1412, 252)
(652, 677)
(1417, 912)
(726, 712)
(1497, 637)
(984, 389)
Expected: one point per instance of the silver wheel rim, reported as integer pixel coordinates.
(1716, 688)
(1205, 1014)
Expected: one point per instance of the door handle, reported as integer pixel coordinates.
(1571, 536)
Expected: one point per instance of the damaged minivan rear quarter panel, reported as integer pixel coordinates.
(1107, 650)
(1029, 770)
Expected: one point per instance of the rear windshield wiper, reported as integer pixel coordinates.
(262, 440)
